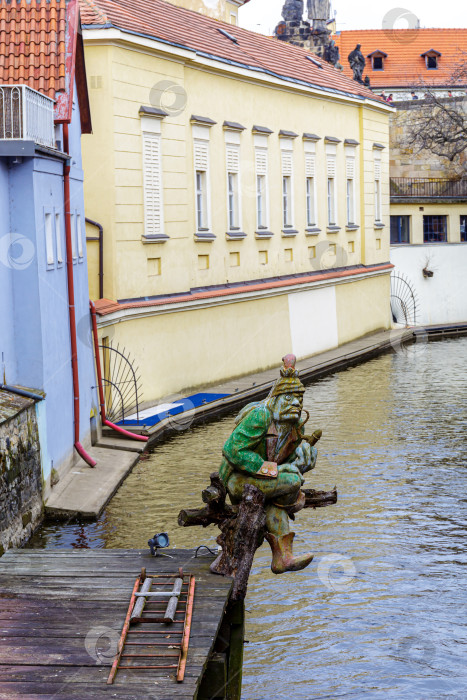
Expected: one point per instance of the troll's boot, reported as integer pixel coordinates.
(282, 557)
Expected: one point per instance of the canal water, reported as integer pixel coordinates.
(381, 611)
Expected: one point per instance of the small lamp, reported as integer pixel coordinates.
(159, 541)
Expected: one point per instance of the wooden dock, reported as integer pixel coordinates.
(61, 616)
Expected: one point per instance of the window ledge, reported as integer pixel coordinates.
(378, 225)
(333, 229)
(312, 231)
(235, 235)
(289, 232)
(156, 238)
(263, 234)
(352, 227)
(208, 236)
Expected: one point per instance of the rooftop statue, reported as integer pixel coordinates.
(267, 450)
(293, 10)
(262, 472)
(357, 63)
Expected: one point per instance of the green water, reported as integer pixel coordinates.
(380, 612)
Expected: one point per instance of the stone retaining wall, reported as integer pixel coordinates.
(20, 473)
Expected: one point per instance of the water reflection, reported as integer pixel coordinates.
(381, 610)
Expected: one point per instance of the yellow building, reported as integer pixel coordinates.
(225, 10)
(243, 188)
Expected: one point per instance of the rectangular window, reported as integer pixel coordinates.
(331, 190)
(311, 218)
(400, 229)
(58, 238)
(331, 202)
(79, 235)
(233, 187)
(350, 189)
(201, 157)
(378, 63)
(152, 184)
(73, 237)
(286, 201)
(435, 229)
(378, 212)
(261, 168)
(463, 223)
(432, 62)
(287, 198)
(49, 241)
(201, 201)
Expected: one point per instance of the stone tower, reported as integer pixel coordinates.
(312, 34)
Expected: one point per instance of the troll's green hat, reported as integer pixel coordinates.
(289, 382)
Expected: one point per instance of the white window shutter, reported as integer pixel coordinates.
(287, 162)
(261, 157)
(377, 169)
(233, 159)
(152, 184)
(309, 164)
(331, 166)
(350, 168)
(201, 156)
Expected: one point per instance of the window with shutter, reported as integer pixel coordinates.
(377, 169)
(233, 159)
(287, 163)
(350, 168)
(261, 158)
(201, 155)
(331, 166)
(49, 245)
(261, 167)
(310, 164)
(152, 183)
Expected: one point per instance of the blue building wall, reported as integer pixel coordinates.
(7, 328)
(37, 351)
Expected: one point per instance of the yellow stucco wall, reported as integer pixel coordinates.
(362, 307)
(185, 350)
(418, 210)
(122, 81)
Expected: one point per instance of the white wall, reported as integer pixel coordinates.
(443, 297)
(313, 321)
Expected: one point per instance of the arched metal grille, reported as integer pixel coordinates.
(121, 384)
(404, 301)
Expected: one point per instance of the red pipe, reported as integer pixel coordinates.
(106, 422)
(71, 303)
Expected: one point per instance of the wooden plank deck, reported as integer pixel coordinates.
(61, 614)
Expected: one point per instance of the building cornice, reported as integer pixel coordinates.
(110, 35)
(129, 311)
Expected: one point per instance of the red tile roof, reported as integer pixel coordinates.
(190, 30)
(32, 44)
(108, 306)
(404, 65)
(40, 47)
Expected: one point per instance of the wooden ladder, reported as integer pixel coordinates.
(141, 611)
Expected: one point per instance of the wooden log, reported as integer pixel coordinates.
(139, 605)
(319, 499)
(173, 602)
(239, 539)
(216, 509)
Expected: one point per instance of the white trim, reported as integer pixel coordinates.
(144, 312)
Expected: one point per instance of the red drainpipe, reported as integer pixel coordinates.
(71, 302)
(106, 422)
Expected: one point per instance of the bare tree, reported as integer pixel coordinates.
(438, 125)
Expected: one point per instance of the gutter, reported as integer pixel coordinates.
(71, 302)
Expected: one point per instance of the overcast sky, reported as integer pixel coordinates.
(263, 15)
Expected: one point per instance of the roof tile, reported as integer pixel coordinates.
(404, 65)
(176, 25)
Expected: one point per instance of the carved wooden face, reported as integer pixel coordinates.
(287, 407)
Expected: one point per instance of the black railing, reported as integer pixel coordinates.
(427, 187)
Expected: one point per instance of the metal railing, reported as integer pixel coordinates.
(427, 187)
(27, 115)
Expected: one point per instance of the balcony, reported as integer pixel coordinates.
(404, 189)
(26, 115)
